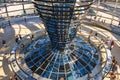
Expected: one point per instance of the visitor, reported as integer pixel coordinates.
(111, 45)
(99, 19)
(4, 43)
(89, 38)
(100, 45)
(104, 21)
(95, 18)
(25, 20)
(91, 32)
(32, 37)
(114, 60)
(80, 28)
(89, 75)
(96, 34)
(108, 40)
(103, 40)
(5, 55)
(119, 23)
(112, 76)
(15, 76)
(16, 39)
(34, 12)
(10, 78)
(114, 67)
(20, 37)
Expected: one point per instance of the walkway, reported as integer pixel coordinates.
(9, 34)
(22, 28)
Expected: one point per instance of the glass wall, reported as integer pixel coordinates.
(9, 11)
(13, 0)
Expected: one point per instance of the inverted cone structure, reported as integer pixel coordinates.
(70, 57)
(61, 18)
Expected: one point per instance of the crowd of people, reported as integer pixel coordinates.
(108, 41)
(17, 39)
(114, 69)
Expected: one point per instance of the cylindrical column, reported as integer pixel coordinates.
(61, 19)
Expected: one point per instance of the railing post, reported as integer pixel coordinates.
(7, 15)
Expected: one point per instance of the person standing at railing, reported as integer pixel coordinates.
(101, 44)
(91, 32)
(111, 45)
(114, 59)
(4, 43)
(108, 40)
(104, 21)
(114, 67)
(20, 37)
(95, 17)
(80, 28)
(119, 23)
(96, 34)
(10, 78)
(16, 39)
(15, 77)
(32, 37)
(112, 76)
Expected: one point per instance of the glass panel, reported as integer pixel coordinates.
(46, 74)
(53, 76)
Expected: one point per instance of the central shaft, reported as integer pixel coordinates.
(57, 23)
(61, 19)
